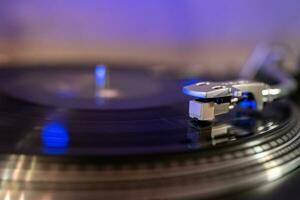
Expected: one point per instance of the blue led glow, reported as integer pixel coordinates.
(55, 138)
(100, 75)
(248, 104)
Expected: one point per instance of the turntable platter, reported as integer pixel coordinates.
(62, 139)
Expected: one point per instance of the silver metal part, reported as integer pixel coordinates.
(266, 60)
(209, 95)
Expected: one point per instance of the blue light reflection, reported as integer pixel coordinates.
(100, 75)
(187, 82)
(190, 81)
(55, 138)
(248, 104)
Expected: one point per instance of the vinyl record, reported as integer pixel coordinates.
(73, 133)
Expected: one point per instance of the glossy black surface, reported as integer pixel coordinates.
(37, 117)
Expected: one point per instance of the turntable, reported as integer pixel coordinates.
(109, 132)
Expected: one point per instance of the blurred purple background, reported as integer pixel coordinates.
(215, 33)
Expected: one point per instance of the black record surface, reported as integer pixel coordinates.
(61, 111)
(123, 133)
